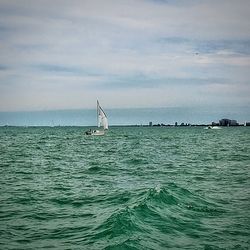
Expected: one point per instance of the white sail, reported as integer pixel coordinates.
(102, 118)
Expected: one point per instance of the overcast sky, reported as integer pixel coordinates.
(60, 54)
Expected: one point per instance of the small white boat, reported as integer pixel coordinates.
(212, 127)
(102, 121)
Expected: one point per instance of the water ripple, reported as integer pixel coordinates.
(135, 188)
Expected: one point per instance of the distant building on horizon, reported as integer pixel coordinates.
(215, 123)
(228, 122)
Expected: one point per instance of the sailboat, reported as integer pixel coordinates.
(102, 122)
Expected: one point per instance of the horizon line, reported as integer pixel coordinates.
(125, 108)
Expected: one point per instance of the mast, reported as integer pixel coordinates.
(97, 114)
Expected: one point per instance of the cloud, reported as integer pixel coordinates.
(54, 68)
(62, 52)
(3, 67)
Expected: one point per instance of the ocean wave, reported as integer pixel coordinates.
(134, 188)
(169, 210)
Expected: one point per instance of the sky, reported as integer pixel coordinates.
(64, 54)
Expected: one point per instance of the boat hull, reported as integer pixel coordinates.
(95, 132)
(212, 127)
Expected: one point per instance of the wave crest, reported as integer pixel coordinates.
(170, 211)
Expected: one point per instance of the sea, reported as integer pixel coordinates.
(134, 188)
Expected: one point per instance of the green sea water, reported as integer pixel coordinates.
(134, 188)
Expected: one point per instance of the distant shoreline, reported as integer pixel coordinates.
(114, 126)
(126, 117)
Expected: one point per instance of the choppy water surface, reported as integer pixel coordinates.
(135, 188)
